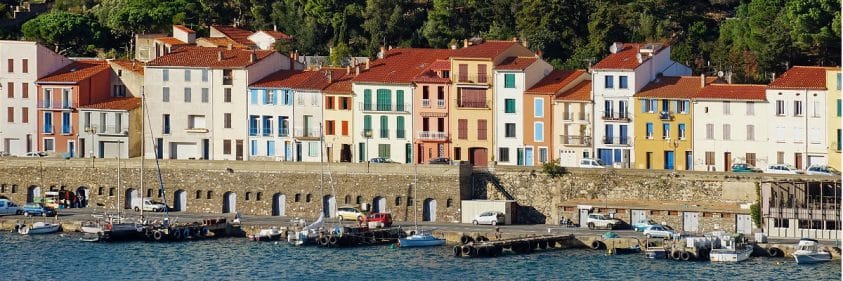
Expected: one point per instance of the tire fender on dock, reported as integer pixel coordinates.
(686, 256)
(466, 250)
(676, 255)
(465, 239)
(481, 238)
(457, 251)
(157, 235)
(597, 245)
(775, 252)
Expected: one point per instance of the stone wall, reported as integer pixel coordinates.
(206, 184)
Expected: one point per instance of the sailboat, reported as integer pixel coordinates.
(421, 238)
(308, 234)
(109, 227)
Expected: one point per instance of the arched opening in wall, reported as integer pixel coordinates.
(3, 188)
(308, 198)
(33, 194)
(14, 188)
(149, 192)
(132, 199)
(298, 197)
(229, 202)
(347, 199)
(82, 196)
(398, 201)
(180, 200)
(209, 195)
(52, 188)
(359, 200)
(329, 206)
(279, 204)
(258, 196)
(379, 205)
(4, 197)
(248, 195)
(429, 210)
(112, 191)
(449, 203)
(198, 194)
(100, 190)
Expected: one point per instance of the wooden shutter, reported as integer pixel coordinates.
(481, 129)
(463, 72)
(481, 73)
(462, 127)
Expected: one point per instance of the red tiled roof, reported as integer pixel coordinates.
(516, 63)
(277, 34)
(580, 92)
(184, 28)
(283, 79)
(221, 42)
(238, 35)
(667, 87)
(308, 80)
(440, 65)
(625, 58)
(555, 81)
(401, 65)
(733, 92)
(341, 83)
(488, 49)
(428, 75)
(134, 66)
(801, 77)
(172, 41)
(127, 103)
(208, 57)
(76, 71)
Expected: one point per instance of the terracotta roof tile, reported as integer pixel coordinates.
(440, 65)
(304, 80)
(488, 49)
(127, 103)
(238, 35)
(580, 92)
(277, 34)
(184, 28)
(401, 65)
(341, 83)
(733, 92)
(283, 79)
(516, 63)
(801, 77)
(172, 41)
(428, 75)
(76, 71)
(625, 58)
(208, 57)
(221, 42)
(134, 66)
(667, 87)
(555, 81)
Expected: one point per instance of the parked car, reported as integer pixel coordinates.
(660, 231)
(592, 163)
(384, 218)
(380, 160)
(641, 225)
(350, 213)
(490, 217)
(148, 205)
(783, 169)
(822, 170)
(38, 209)
(5, 154)
(440, 160)
(596, 221)
(7, 207)
(744, 168)
(36, 154)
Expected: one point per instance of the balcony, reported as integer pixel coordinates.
(432, 136)
(110, 130)
(45, 104)
(665, 116)
(616, 116)
(306, 132)
(473, 104)
(425, 103)
(385, 107)
(619, 141)
(267, 131)
(475, 79)
(575, 116)
(196, 130)
(573, 140)
(440, 103)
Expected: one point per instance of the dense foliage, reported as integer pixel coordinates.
(750, 38)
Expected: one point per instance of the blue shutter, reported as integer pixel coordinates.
(676, 106)
(643, 106)
(254, 96)
(275, 97)
(649, 129)
(687, 106)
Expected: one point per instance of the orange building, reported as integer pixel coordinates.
(430, 107)
(538, 113)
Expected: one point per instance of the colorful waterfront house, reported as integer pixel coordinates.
(338, 116)
(197, 101)
(111, 128)
(834, 111)
(230, 37)
(513, 76)
(126, 78)
(21, 64)
(572, 113)
(797, 117)
(60, 95)
(430, 112)
(383, 95)
(270, 115)
(473, 106)
(615, 80)
(730, 125)
(664, 123)
(539, 116)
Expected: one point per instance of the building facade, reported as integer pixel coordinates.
(513, 76)
(572, 131)
(834, 111)
(111, 128)
(539, 118)
(430, 112)
(338, 117)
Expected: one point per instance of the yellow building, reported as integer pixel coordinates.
(835, 108)
(338, 116)
(663, 128)
(472, 101)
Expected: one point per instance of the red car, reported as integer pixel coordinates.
(384, 218)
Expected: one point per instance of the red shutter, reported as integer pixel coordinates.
(481, 73)
(463, 72)
(462, 126)
(481, 129)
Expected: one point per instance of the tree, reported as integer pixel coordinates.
(339, 53)
(555, 27)
(68, 34)
(440, 27)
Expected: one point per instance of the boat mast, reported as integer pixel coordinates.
(119, 189)
(143, 147)
(322, 170)
(415, 195)
(158, 168)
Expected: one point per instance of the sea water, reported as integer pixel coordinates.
(65, 257)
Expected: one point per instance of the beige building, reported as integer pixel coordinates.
(834, 109)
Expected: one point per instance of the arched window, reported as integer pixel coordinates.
(198, 194)
(308, 198)
(450, 203)
(258, 196)
(359, 199)
(101, 190)
(111, 191)
(348, 199)
(409, 201)
(3, 188)
(398, 201)
(298, 197)
(248, 195)
(14, 188)
(209, 195)
(149, 192)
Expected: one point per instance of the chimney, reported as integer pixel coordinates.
(702, 80)
(219, 56)
(453, 46)
(348, 70)
(275, 28)
(514, 39)
(367, 64)
(329, 75)
(539, 54)
(525, 43)
(729, 77)
(356, 70)
(382, 53)
(230, 46)
(390, 47)
(465, 43)
(253, 57)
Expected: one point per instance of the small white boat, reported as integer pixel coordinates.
(306, 235)
(731, 248)
(808, 252)
(421, 239)
(39, 228)
(267, 234)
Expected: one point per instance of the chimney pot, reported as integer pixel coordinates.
(219, 56)
(453, 46)
(348, 70)
(356, 70)
(702, 80)
(253, 57)
(382, 53)
(230, 46)
(465, 43)
(367, 65)
(514, 39)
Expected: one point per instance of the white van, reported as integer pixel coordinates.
(7, 207)
(148, 205)
(592, 163)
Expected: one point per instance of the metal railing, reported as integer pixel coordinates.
(616, 116)
(284, 132)
(306, 132)
(253, 131)
(574, 140)
(56, 104)
(575, 116)
(385, 107)
(665, 116)
(432, 135)
(440, 103)
(425, 103)
(112, 130)
(267, 131)
(473, 104)
(475, 78)
(623, 141)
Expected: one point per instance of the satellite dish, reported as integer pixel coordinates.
(720, 74)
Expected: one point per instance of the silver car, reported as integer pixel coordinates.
(491, 217)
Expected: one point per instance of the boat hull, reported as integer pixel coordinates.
(812, 258)
(45, 229)
(729, 255)
(657, 254)
(420, 241)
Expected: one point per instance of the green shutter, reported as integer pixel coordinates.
(400, 127)
(839, 108)
(509, 81)
(384, 127)
(399, 100)
(367, 123)
(510, 105)
(384, 100)
(367, 99)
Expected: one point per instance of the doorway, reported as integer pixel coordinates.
(239, 150)
(345, 153)
(82, 194)
(744, 224)
(668, 160)
(379, 205)
(33, 194)
(131, 194)
(691, 221)
(298, 152)
(180, 200)
(279, 202)
(329, 206)
(429, 210)
(229, 204)
(330, 153)
(727, 160)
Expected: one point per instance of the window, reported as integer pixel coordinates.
(24, 90)
(66, 127)
(816, 109)
(24, 115)
(509, 130)
(839, 144)
(780, 108)
(622, 83)
(253, 125)
(270, 148)
(226, 122)
(196, 122)
(709, 158)
(509, 81)
(166, 127)
(205, 95)
(48, 122)
(329, 127)
(839, 106)
(329, 102)
(462, 129)
(384, 127)
(384, 100)
(187, 75)
(797, 108)
(345, 103)
(649, 130)
(345, 128)
(727, 132)
(838, 81)
(367, 99)
(503, 154)
(187, 92)
(227, 95)
(49, 145)
(165, 94)
(367, 124)
(538, 107)
(750, 159)
(682, 131)
(25, 68)
(383, 150)
(204, 75)
(543, 154)
(209, 194)
(253, 148)
(727, 108)
(683, 106)
(750, 108)
(750, 132)
(253, 97)
(665, 130)
(609, 82)
(165, 74)
(226, 77)
(509, 105)
(709, 131)
(226, 147)
(399, 100)
(538, 131)
(399, 132)
(481, 129)
(10, 89)
(10, 114)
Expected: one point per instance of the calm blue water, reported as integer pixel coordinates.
(66, 258)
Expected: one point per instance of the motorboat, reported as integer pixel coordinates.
(305, 235)
(420, 239)
(731, 248)
(39, 228)
(656, 253)
(267, 234)
(808, 252)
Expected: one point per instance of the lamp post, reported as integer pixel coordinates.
(91, 131)
(368, 135)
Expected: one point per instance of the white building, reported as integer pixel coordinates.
(197, 101)
(730, 126)
(113, 127)
(797, 117)
(572, 113)
(265, 39)
(512, 77)
(21, 64)
(616, 79)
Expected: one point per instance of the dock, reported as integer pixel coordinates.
(349, 236)
(483, 247)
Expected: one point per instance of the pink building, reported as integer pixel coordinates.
(430, 107)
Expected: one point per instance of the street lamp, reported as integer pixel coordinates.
(91, 131)
(368, 135)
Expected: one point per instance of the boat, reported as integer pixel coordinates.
(306, 235)
(656, 253)
(267, 234)
(808, 252)
(39, 228)
(421, 238)
(731, 248)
